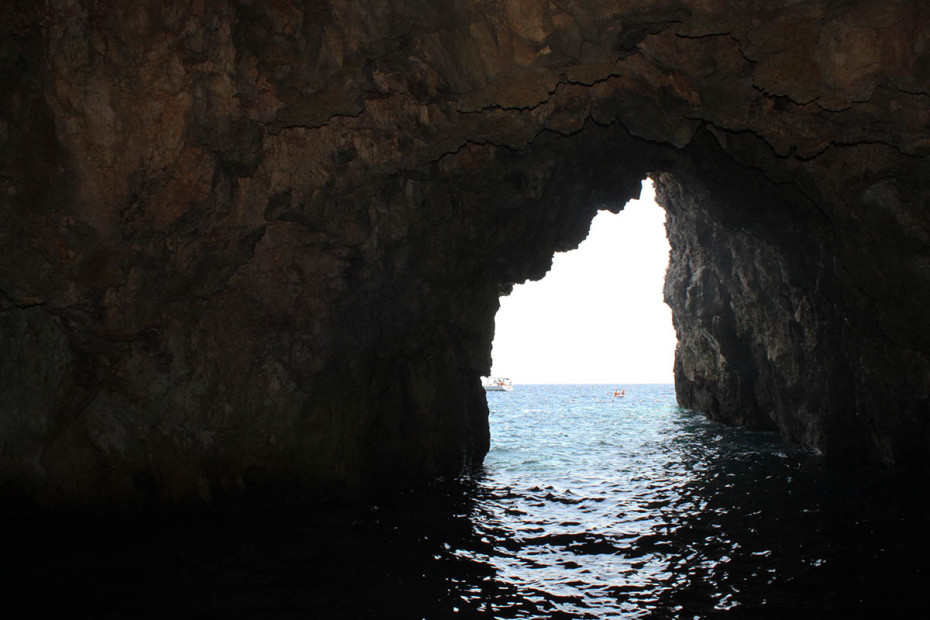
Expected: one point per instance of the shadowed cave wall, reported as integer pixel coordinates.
(253, 251)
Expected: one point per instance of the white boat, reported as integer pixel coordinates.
(497, 384)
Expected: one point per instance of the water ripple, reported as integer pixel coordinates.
(637, 508)
(588, 507)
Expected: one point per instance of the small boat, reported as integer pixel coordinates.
(497, 384)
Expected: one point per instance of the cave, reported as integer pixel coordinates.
(253, 252)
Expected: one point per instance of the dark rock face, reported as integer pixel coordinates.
(784, 321)
(253, 251)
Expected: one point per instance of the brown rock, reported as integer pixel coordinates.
(253, 251)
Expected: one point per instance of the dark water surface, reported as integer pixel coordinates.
(589, 507)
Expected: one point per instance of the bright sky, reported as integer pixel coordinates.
(598, 315)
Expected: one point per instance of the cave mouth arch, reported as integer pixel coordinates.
(598, 316)
(772, 319)
(233, 260)
(338, 349)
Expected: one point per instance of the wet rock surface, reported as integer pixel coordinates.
(253, 251)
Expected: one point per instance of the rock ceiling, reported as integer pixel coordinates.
(253, 250)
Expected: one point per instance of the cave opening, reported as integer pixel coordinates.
(251, 255)
(598, 316)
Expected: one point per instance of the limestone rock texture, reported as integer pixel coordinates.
(252, 251)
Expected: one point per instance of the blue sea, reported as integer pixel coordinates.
(588, 506)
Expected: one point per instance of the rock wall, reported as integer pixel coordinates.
(784, 305)
(252, 251)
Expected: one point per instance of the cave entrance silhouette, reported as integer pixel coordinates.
(598, 316)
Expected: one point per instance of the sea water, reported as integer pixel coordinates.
(588, 506)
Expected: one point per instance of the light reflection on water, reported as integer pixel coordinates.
(635, 508)
(588, 507)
